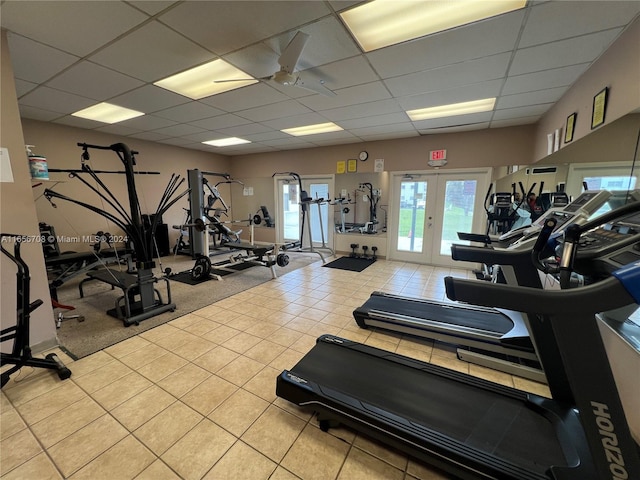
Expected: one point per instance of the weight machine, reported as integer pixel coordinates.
(374, 197)
(207, 213)
(140, 299)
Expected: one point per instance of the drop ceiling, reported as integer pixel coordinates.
(69, 55)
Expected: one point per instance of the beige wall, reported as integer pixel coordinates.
(18, 215)
(481, 148)
(618, 69)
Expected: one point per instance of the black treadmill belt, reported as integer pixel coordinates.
(478, 320)
(479, 418)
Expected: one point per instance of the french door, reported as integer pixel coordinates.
(289, 219)
(430, 208)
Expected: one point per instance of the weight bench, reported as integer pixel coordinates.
(127, 308)
(70, 265)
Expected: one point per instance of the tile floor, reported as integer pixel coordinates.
(195, 398)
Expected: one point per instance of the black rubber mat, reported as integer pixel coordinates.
(352, 264)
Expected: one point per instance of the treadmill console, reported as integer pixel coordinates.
(584, 206)
(610, 246)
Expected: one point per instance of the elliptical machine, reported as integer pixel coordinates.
(20, 355)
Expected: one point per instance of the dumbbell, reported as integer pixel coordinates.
(374, 249)
(364, 250)
(353, 250)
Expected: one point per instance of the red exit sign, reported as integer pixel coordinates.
(435, 155)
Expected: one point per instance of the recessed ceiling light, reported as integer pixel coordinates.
(313, 129)
(225, 142)
(381, 23)
(206, 80)
(463, 108)
(107, 113)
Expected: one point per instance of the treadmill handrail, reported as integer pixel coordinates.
(609, 292)
(472, 253)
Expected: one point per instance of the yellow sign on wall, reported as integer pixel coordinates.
(352, 165)
(341, 166)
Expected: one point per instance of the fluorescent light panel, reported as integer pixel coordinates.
(202, 81)
(382, 23)
(226, 142)
(107, 113)
(453, 109)
(313, 129)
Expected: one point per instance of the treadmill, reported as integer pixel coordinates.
(489, 337)
(475, 429)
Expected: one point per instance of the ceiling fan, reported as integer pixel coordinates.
(287, 75)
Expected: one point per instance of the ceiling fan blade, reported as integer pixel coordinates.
(292, 52)
(242, 79)
(317, 87)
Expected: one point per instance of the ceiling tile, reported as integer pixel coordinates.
(37, 113)
(188, 112)
(512, 122)
(344, 73)
(562, 53)
(223, 27)
(152, 7)
(150, 136)
(23, 87)
(368, 109)
(35, 62)
(369, 92)
(118, 129)
(244, 130)
(552, 21)
(221, 121)
(461, 44)
(555, 77)
(445, 78)
(550, 95)
(475, 91)
(149, 99)
(374, 120)
(379, 130)
(78, 122)
(74, 27)
(178, 130)
(280, 123)
(268, 112)
(151, 53)
(93, 81)
(269, 135)
(529, 111)
(148, 122)
(244, 98)
(55, 100)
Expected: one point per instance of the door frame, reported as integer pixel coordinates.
(436, 188)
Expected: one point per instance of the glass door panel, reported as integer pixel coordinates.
(410, 232)
(459, 199)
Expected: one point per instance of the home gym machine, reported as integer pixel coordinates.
(207, 214)
(476, 429)
(373, 197)
(140, 299)
(305, 201)
(20, 355)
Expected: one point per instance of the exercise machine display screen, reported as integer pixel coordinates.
(580, 202)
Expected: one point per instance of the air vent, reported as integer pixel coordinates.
(541, 170)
